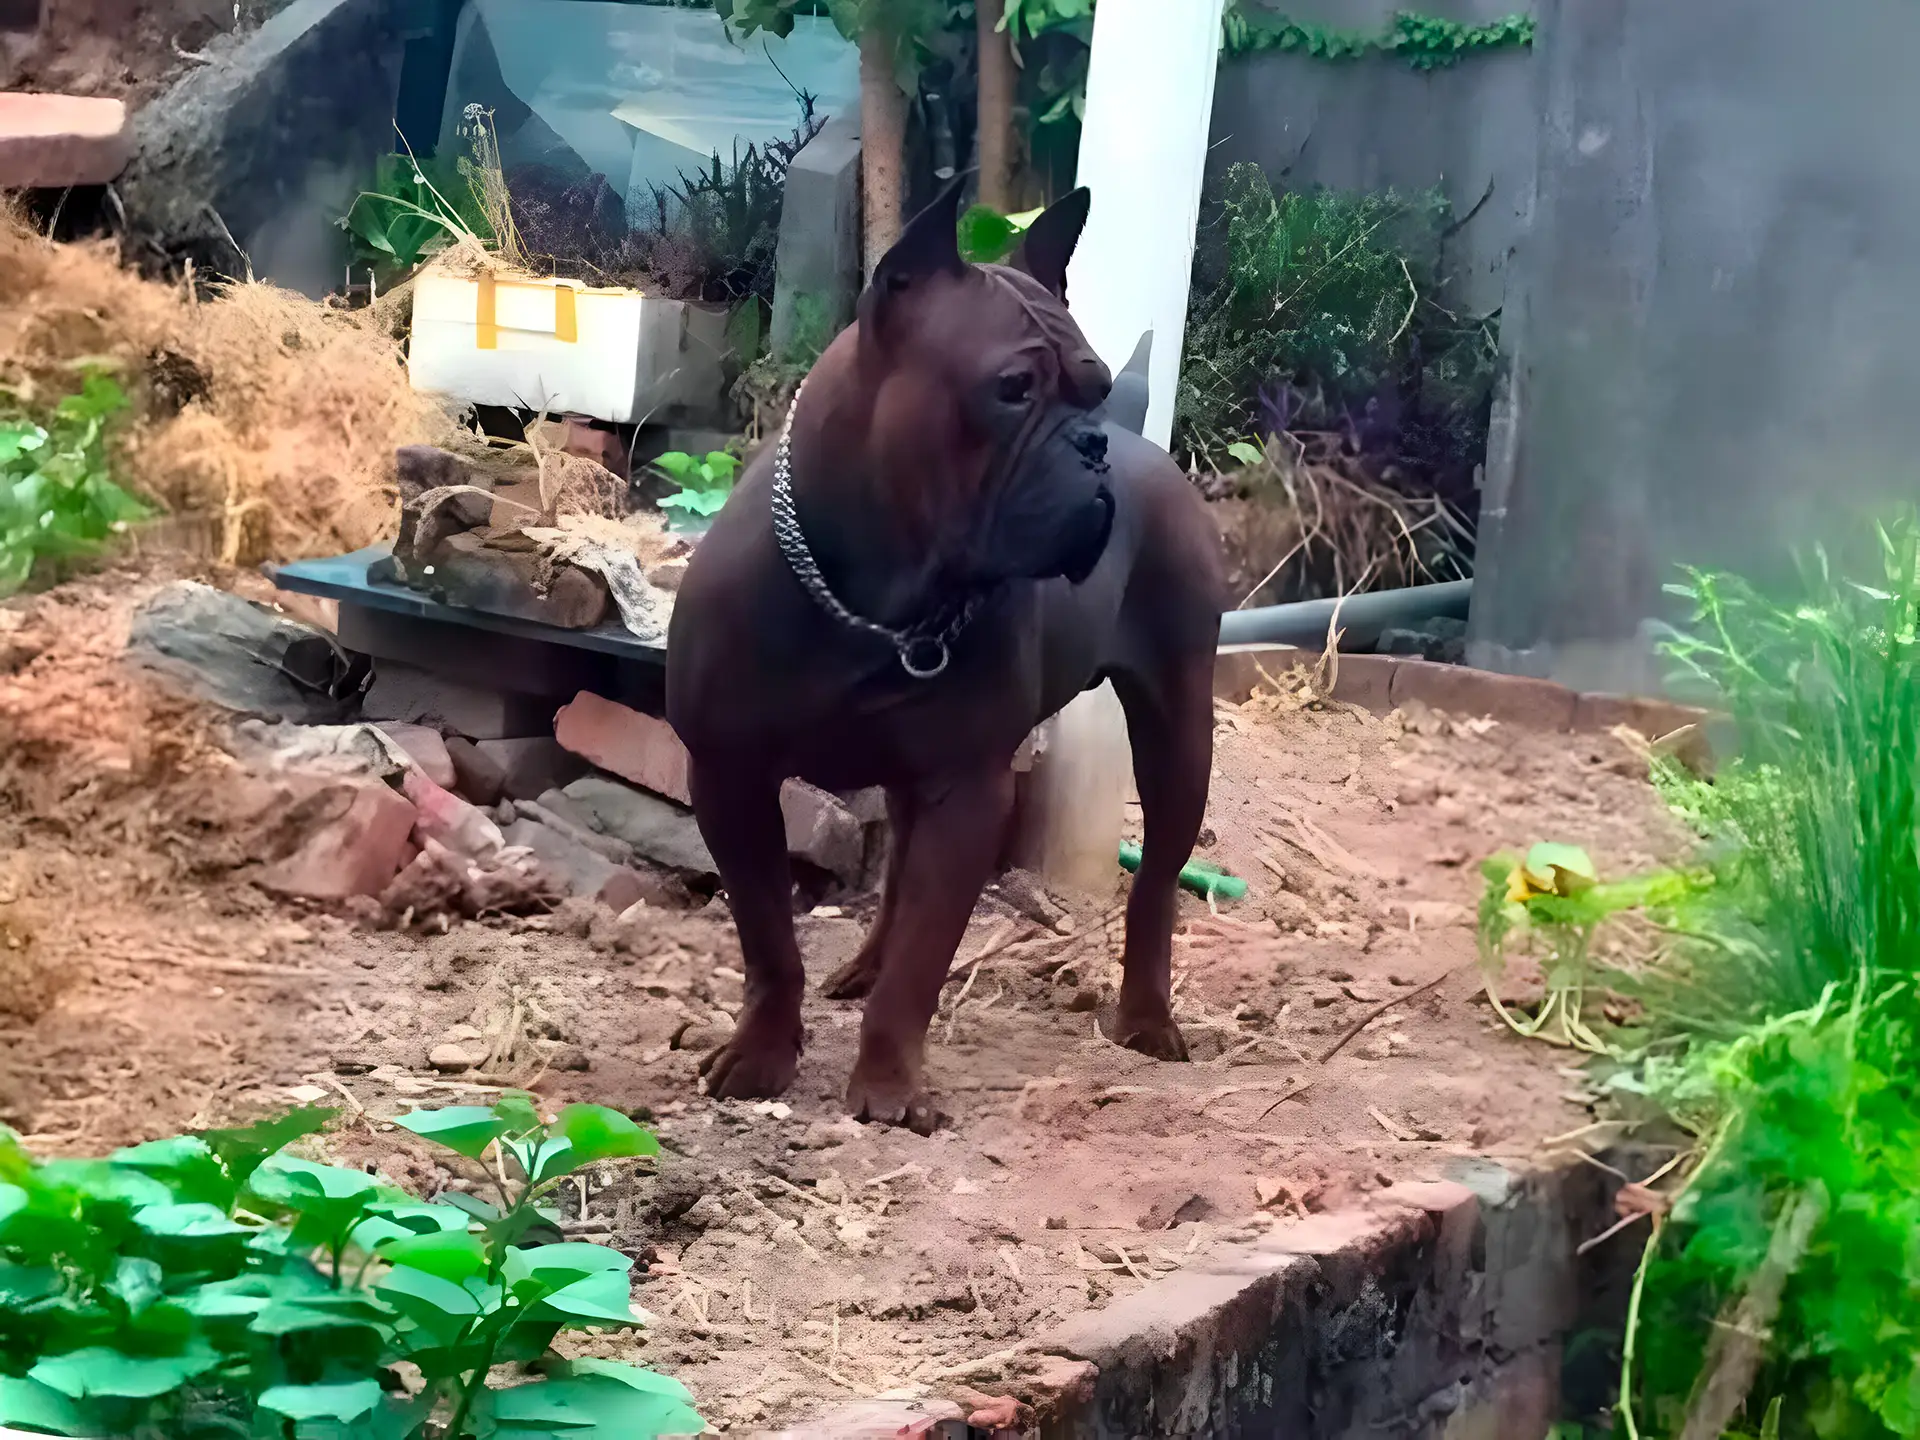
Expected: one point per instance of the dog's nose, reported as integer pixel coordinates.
(1089, 382)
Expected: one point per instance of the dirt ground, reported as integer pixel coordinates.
(792, 1257)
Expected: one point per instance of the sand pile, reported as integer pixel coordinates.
(263, 422)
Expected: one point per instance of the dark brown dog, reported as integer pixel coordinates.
(957, 551)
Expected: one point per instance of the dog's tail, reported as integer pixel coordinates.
(1127, 404)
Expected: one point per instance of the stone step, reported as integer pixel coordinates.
(52, 141)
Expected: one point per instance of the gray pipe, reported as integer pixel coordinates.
(1362, 617)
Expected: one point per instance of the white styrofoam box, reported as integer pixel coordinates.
(559, 346)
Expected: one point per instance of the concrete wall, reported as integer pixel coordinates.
(1710, 321)
(1370, 123)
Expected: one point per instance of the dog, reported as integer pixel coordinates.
(946, 545)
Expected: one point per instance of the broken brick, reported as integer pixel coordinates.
(624, 742)
(477, 775)
(532, 765)
(364, 841)
(425, 748)
(54, 141)
(443, 816)
(823, 832)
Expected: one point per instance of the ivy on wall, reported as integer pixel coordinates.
(1423, 42)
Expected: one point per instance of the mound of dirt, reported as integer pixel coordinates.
(265, 423)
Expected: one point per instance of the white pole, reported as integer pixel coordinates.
(1143, 152)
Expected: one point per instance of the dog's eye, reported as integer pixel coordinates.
(1016, 387)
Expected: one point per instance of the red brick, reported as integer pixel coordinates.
(1459, 690)
(50, 141)
(445, 817)
(1366, 681)
(623, 742)
(425, 748)
(363, 841)
(1652, 718)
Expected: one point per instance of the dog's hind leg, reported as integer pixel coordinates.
(854, 980)
(739, 814)
(1170, 725)
(946, 860)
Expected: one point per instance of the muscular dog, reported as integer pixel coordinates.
(942, 550)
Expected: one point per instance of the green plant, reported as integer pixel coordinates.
(1775, 1023)
(1423, 42)
(987, 237)
(704, 484)
(1319, 310)
(214, 1284)
(57, 495)
(413, 210)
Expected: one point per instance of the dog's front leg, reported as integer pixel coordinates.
(946, 860)
(738, 808)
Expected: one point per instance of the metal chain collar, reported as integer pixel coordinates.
(923, 648)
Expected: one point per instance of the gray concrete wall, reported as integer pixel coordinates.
(1370, 123)
(1710, 321)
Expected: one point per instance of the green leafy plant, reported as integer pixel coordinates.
(214, 1284)
(57, 495)
(1779, 1292)
(413, 210)
(1322, 311)
(987, 237)
(704, 483)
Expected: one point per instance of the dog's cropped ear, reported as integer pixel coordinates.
(929, 246)
(1050, 241)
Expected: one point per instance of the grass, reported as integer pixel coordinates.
(1773, 1021)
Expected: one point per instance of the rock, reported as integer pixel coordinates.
(243, 657)
(624, 742)
(656, 829)
(558, 813)
(361, 839)
(707, 1213)
(55, 141)
(823, 832)
(479, 571)
(443, 816)
(819, 243)
(266, 142)
(414, 696)
(341, 752)
(580, 870)
(476, 775)
(531, 765)
(572, 1058)
(451, 1058)
(425, 748)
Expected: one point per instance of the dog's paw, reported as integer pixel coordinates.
(891, 1098)
(853, 980)
(1153, 1034)
(756, 1064)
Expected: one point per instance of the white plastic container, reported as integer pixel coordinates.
(563, 347)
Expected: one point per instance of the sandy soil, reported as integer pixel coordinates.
(792, 1256)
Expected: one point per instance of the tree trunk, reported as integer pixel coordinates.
(996, 94)
(883, 146)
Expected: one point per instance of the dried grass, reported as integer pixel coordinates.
(262, 419)
(1311, 521)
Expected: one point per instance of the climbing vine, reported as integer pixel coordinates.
(1423, 42)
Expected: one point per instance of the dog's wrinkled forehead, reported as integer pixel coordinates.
(1046, 313)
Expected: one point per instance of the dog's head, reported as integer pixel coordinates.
(982, 389)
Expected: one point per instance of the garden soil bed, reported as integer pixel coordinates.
(145, 988)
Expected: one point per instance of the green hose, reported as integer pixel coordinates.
(1198, 876)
